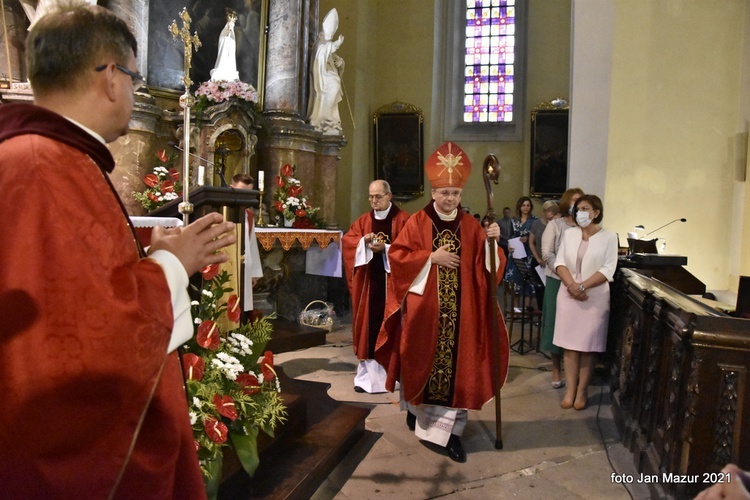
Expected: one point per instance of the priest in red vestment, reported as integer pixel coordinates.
(365, 250)
(93, 399)
(436, 339)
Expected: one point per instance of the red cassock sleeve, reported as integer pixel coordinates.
(85, 326)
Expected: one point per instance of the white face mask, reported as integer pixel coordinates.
(582, 219)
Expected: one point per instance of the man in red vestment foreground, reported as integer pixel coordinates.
(365, 249)
(436, 339)
(93, 400)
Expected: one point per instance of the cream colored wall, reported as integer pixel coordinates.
(674, 117)
(389, 57)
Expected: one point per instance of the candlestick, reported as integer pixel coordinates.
(261, 222)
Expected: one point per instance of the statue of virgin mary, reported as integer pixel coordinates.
(226, 59)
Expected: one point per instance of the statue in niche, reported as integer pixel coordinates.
(326, 73)
(226, 60)
(35, 9)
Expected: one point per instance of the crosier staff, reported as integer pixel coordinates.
(491, 172)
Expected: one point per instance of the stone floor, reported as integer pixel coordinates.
(548, 452)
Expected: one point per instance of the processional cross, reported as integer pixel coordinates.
(190, 42)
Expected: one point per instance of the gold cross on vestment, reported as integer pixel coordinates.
(188, 40)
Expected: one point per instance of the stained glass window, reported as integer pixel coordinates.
(489, 66)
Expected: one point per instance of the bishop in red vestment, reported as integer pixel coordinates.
(436, 338)
(93, 398)
(365, 250)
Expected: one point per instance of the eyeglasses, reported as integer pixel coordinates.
(448, 194)
(136, 78)
(377, 197)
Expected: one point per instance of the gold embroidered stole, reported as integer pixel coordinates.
(439, 387)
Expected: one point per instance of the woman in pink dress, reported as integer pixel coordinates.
(586, 263)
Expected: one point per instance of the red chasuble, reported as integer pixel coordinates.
(85, 322)
(418, 327)
(367, 283)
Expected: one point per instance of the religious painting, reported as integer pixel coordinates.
(165, 54)
(399, 155)
(549, 150)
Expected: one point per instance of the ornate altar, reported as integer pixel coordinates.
(299, 266)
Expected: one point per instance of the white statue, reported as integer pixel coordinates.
(326, 72)
(226, 59)
(35, 9)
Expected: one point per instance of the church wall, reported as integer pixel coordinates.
(740, 259)
(673, 121)
(389, 54)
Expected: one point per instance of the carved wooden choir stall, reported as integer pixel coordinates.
(680, 381)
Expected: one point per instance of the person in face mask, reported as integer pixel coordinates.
(550, 244)
(586, 263)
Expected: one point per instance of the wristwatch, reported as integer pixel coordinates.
(582, 288)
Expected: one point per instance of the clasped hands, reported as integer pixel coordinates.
(574, 289)
(196, 245)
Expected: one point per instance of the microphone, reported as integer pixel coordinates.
(665, 225)
(174, 145)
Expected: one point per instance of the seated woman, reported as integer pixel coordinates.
(586, 263)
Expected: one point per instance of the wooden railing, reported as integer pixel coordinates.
(680, 384)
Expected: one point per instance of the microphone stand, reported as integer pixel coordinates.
(665, 225)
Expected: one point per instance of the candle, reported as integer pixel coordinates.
(261, 178)
(201, 175)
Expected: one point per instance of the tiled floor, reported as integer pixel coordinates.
(548, 452)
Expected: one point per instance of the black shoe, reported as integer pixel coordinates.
(455, 450)
(411, 420)
(358, 389)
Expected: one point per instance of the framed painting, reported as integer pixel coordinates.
(399, 151)
(165, 55)
(549, 149)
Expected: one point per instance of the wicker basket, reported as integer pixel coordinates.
(318, 318)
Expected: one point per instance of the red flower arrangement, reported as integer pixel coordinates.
(233, 391)
(163, 184)
(290, 202)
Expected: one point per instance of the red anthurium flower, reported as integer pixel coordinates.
(162, 154)
(152, 197)
(174, 174)
(233, 308)
(287, 170)
(295, 191)
(249, 383)
(266, 366)
(209, 335)
(210, 271)
(279, 181)
(300, 213)
(193, 366)
(278, 206)
(167, 186)
(151, 180)
(225, 406)
(216, 431)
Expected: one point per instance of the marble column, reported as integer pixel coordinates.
(135, 153)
